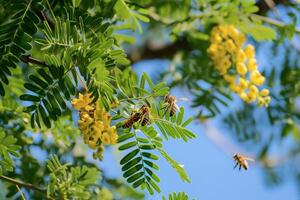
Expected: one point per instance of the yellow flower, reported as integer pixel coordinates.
(253, 89)
(226, 62)
(251, 64)
(257, 78)
(216, 38)
(264, 92)
(92, 144)
(243, 83)
(82, 101)
(237, 89)
(251, 97)
(233, 32)
(230, 46)
(249, 51)
(241, 68)
(226, 50)
(240, 56)
(212, 50)
(240, 40)
(223, 31)
(105, 138)
(229, 78)
(243, 96)
(88, 108)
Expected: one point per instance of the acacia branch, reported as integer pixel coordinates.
(22, 184)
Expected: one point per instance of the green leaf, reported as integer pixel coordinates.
(138, 183)
(174, 130)
(125, 137)
(125, 13)
(150, 155)
(128, 145)
(28, 97)
(132, 170)
(129, 156)
(258, 32)
(44, 116)
(8, 149)
(131, 163)
(135, 177)
(179, 168)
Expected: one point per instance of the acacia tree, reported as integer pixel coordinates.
(68, 88)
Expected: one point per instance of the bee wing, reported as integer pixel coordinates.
(245, 165)
(183, 99)
(249, 159)
(176, 106)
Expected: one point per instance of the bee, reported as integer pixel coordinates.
(144, 115)
(134, 117)
(171, 104)
(241, 161)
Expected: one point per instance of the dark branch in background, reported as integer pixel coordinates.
(167, 51)
(44, 17)
(28, 59)
(264, 7)
(22, 184)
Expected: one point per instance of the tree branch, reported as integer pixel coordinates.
(264, 7)
(28, 59)
(22, 184)
(167, 51)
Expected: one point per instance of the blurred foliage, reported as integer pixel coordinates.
(50, 51)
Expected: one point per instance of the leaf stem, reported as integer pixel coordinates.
(272, 21)
(23, 184)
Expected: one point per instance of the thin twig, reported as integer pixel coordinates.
(273, 22)
(22, 195)
(22, 184)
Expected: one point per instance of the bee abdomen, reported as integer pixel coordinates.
(131, 120)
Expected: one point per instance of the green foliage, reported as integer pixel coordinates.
(140, 159)
(50, 88)
(8, 150)
(173, 126)
(176, 196)
(16, 36)
(139, 164)
(66, 182)
(131, 17)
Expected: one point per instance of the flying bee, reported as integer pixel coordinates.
(144, 115)
(241, 161)
(134, 117)
(171, 104)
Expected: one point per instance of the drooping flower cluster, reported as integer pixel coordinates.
(94, 124)
(237, 64)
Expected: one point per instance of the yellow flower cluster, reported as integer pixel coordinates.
(236, 64)
(94, 124)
